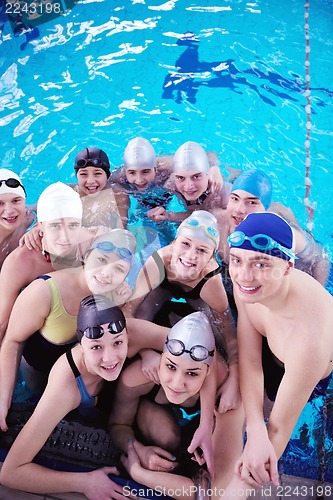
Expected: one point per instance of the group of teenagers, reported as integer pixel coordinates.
(178, 338)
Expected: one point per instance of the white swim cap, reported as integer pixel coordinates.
(201, 225)
(190, 156)
(58, 201)
(192, 338)
(139, 154)
(11, 183)
(118, 240)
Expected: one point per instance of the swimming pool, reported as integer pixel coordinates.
(227, 74)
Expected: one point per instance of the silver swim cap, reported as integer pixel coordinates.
(201, 225)
(192, 338)
(190, 156)
(139, 154)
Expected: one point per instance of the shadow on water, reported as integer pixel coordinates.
(191, 74)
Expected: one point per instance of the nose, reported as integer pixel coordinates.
(188, 184)
(9, 209)
(177, 383)
(90, 178)
(139, 178)
(109, 355)
(244, 274)
(241, 207)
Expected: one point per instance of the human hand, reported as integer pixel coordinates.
(32, 239)
(215, 179)
(228, 395)
(153, 457)
(202, 441)
(258, 463)
(99, 486)
(157, 214)
(150, 364)
(3, 416)
(122, 293)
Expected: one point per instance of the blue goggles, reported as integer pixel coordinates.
(109, 247)
(259, 242)
(209, 230)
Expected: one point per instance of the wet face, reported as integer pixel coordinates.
(91, 180)
(257, 276)
(191, 184)
(104, 272)
(181, 378)
(61, 236)
(189, 257)
(240, 204)
(140, 177)
(12, 211)
(105, 356)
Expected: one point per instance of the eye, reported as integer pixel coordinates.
(202, 250)
(95, 347)
(118, 343)
(102, 260)
(185, 243)
(261, 265)
(235, 260)
(197, 176)
(17, 200)
(171, 367)
(120, 269)
(192, 374)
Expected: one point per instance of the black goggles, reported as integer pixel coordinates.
(197, 352)
(96, 332)
(12, 183)
(91, 162)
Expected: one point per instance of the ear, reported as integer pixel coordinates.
(289, 267)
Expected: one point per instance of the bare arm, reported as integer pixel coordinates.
(19, 472)
(17, 333)
(123, 203)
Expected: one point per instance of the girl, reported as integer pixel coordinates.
(187, 269)
(49, 307)
(74, 382)
(166, 415)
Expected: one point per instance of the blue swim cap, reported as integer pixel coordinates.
(257, 183)
(264, 232)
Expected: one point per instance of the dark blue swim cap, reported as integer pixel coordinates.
(264, 232)
(92, 157)
(96, 310)
(257, 183)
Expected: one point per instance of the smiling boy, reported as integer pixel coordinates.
(285, 328)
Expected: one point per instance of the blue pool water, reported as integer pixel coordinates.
(110, 70)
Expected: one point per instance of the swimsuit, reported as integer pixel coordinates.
(87, 403)
(57, 334)
(273, 374)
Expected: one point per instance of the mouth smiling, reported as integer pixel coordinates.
(248, 289)
(11, 220)
(186, 264)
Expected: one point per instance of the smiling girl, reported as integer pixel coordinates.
(74, 382)
(49, 306)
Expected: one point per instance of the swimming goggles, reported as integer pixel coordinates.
(91, 162)
(108, 247)
(197, 352)
(196, 224)
(12, 183)
(259, 242)
(96, 332)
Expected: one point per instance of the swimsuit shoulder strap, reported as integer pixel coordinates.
(197, 289)
(72, 364)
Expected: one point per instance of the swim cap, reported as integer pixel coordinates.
(192, 338)
(201, 225)
(58, 201)
(257, 183)
(120, 241)
(92, 157)
(190, 156)
(11, 183)
(265, 232)
(96, 310)
(139, 154)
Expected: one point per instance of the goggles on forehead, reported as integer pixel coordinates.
(259, 242)
(96, 332)
(91, 162)
(197, 352)
(196, 224)
(109, 247)
(12, 183)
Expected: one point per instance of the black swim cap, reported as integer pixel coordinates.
(96, 310)
(92, 157)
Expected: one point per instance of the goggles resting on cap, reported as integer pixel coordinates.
(12, 183)
(96, 332)
(196, 224)
(108, 247)
(260, 242)
(95, 162)
(197, 352)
